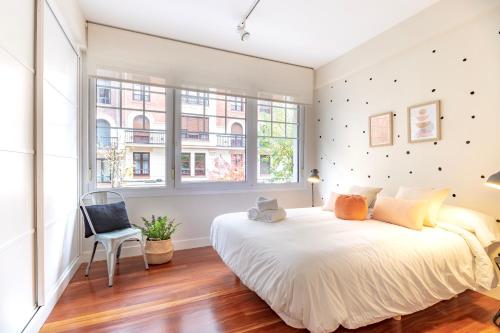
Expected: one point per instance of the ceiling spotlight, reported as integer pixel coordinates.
(245, 35)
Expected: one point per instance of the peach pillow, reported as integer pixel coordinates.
(434, 197)
(406, 213)
(330, 203)
(351, 207)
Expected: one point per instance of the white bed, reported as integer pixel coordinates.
(318, 272)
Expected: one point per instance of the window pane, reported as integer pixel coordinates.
(213, 133)
(186, 164)
(156, 102)
(277, 143)
(131, 144)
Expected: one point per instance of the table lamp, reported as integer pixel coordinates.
(313, 179)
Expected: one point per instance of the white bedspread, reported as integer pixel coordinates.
(318, 272)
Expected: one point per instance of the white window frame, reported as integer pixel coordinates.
(173, 184)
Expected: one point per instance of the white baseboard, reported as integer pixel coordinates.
(132, 249)
(52, 297)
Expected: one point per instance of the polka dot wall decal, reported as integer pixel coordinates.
(345, 126)
(364, 132)
(442, 117)
(433, 90)
(399, 136)
(440, 169)
(345, 81)
(467, 142)
(369, 176)
(331, 101)
(367, 153)
(498, 220)
(366, 102)
(433, 51)
(435, 143)
(347, 100)
(472, 92)
(411, 172)
(394, 114)
(348, 146)
(454, 195)
(352, 169)
(388, 176)
(407, 152)
(464, 59)
(320, 136)
(371, 78)
(386, 156)
(331, 118)
(338, 185)
(482, 177)
(473, 117)
(395, 80)
(319, 119)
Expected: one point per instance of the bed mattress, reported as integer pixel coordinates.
(318, 272)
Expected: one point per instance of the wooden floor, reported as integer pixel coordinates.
(196, 292)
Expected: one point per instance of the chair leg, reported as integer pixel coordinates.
(91, 259)
(111, 257)
(144, 254)
(118, 253)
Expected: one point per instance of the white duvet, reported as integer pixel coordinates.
(318, 272)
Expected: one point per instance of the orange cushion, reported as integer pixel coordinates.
(351, 207)
(406, 213)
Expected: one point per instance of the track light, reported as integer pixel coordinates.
(245, 35)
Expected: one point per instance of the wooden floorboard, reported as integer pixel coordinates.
(196, 292)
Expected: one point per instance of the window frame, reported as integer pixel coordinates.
(141, 155)
(172, 184)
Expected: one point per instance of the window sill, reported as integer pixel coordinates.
(145, 192)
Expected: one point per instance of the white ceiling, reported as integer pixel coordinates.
(303, 32)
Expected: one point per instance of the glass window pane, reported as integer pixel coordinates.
(131, 144)
(277, 142)
(213, 132)
(278, 130)
(156, 102)
(279, 114)
(264, 128)
(186, 164)
(291, 130)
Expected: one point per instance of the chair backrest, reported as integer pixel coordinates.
(98, 198)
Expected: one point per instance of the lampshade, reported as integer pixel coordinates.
(494, 180)
(314, 176)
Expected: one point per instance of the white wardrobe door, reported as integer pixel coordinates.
(17, 239)
(60, 153)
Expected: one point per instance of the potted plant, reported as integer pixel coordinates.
(158, 231)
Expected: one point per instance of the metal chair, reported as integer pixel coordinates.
(112, 240)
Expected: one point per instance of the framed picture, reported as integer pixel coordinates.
(380, 128)
(424, 122)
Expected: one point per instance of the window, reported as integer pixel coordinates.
(104, 93)
(130, 135)
(215, 133)
(141, 164)
(186, 164)
(194, 97)
(277, 135)
(264, 164)
(235, 103)
(237, 161)
(199, 164)
(141, 93)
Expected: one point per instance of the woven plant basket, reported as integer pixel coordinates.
(159, 251)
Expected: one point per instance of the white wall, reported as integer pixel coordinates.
(17, 239)
(344, 154)
(180, 64)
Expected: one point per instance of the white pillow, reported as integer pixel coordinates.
(406, 213)
(370, 193)
(485, 227)
(434, 197)
(330, 202)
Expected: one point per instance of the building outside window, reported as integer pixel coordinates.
(264, 165)
(104, 93)
(213, 132)
(130, 135)
(186, 164)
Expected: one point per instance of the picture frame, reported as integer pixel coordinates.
(380, 129)
(424, 122)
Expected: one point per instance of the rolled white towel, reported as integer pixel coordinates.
(266, 204)
(272, 215)
(254, 213)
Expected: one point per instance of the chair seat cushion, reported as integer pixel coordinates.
(106, 218)
(118, 234)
